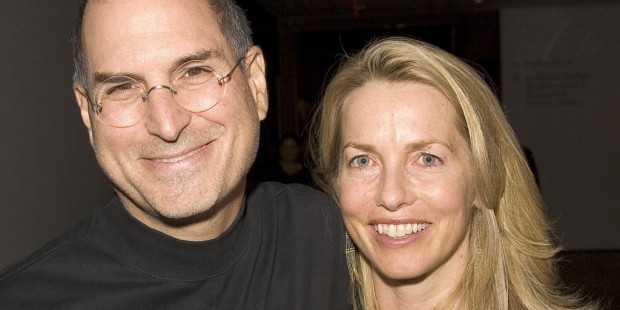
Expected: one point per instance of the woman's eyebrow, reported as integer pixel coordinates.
(413, 146)
(360, 146)
(418, 145)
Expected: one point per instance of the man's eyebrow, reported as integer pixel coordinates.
(203, 54)
(99, 77)
(195, 56)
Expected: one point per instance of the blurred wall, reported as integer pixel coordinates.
(560, 82)
(49, 178)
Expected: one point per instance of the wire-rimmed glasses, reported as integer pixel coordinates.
(120, 100)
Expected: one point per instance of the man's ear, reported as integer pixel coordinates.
(256, 79)
(84, 105)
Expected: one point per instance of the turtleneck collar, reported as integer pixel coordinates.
(165, 256)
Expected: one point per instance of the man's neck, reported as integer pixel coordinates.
(200, 227)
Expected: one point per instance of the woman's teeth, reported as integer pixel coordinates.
(400, 230)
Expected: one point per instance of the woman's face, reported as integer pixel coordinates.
(405, 182)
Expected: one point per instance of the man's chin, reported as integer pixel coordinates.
(182, 214)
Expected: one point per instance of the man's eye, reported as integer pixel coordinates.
(195, 71)
(120, 91)
(122, 87)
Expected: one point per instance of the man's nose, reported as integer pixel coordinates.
(165, 117)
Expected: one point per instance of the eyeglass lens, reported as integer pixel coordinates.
(120, 100)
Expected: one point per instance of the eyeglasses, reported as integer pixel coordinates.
(119, 100)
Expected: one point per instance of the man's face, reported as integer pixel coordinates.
(174, 163)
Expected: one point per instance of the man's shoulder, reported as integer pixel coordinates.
(293, 195)
(294, 200)
(55, 253)
(303, 233)
(50, 274)
(298, 210)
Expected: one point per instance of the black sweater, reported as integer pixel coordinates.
(284, 251)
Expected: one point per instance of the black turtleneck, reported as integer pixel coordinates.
(285, 250)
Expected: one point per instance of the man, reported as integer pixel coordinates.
(172, 93)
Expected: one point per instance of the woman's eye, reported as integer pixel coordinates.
(429, 160)
(361, 161)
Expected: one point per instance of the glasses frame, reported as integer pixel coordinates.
(97, 106)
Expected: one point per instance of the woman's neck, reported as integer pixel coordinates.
(418, 296)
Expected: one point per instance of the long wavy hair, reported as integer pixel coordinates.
(511, 263)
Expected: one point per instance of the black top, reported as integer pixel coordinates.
(285, 250)
(274, 172)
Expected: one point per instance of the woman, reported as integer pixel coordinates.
(435, 192)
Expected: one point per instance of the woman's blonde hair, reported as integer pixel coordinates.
(511, 263)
